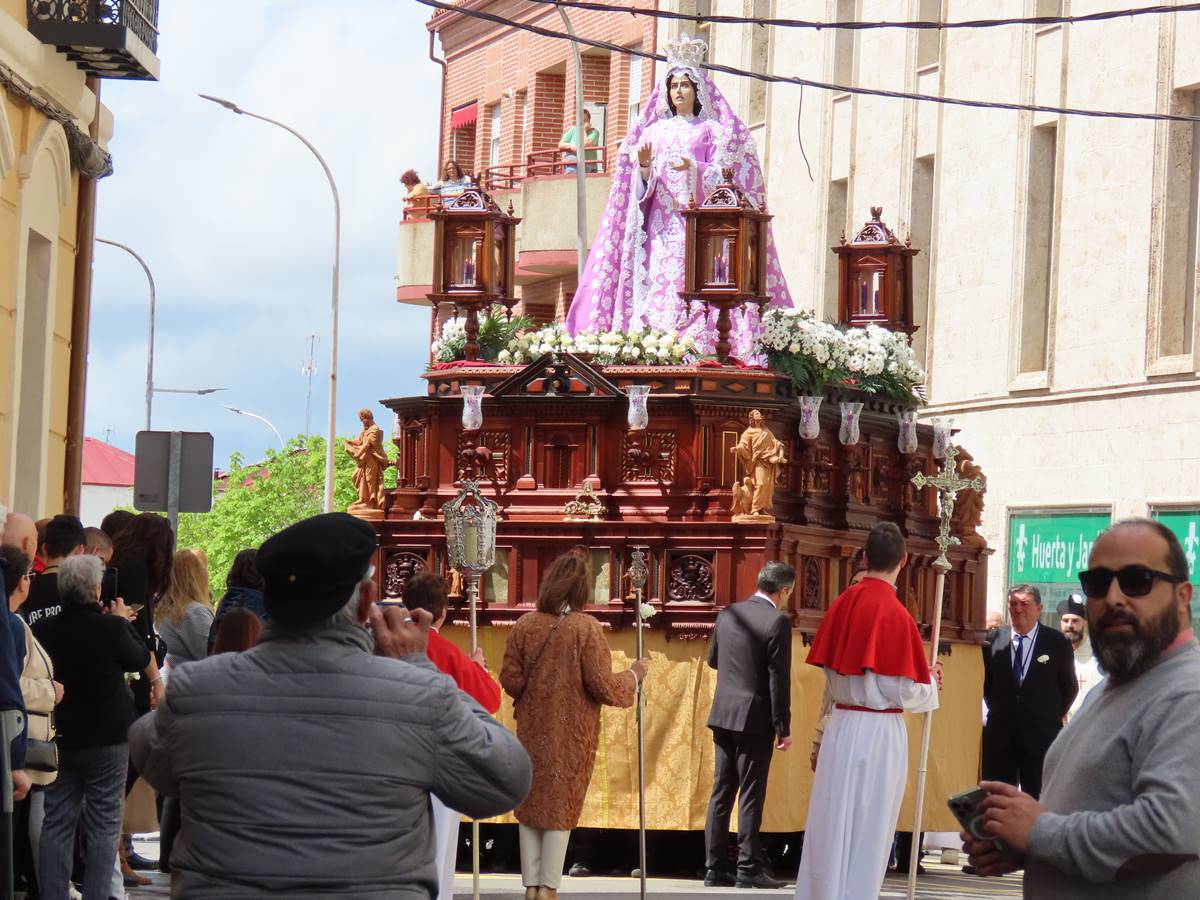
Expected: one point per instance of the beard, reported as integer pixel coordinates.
(1125, 657)
(1075, 637)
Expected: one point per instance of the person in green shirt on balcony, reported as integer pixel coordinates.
(569, 146)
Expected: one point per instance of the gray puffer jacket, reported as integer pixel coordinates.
(304, 766)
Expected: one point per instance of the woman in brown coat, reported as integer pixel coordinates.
(558, 670)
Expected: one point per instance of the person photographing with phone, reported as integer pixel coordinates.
(1119, 816)
(305, 764)
(876, 670)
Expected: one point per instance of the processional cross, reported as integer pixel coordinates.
(948, 483)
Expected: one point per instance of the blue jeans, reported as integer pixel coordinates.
(94, 778)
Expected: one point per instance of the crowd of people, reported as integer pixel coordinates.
(301, 688)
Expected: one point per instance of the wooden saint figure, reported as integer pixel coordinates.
(761, 455)
(367, 452)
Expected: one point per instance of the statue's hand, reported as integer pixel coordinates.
(682, 164)
(645, 154)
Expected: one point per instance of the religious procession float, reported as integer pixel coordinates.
(685, 423)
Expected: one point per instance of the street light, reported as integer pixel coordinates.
(337, 245)
(201, 391)
(150, 341)
(264, 420)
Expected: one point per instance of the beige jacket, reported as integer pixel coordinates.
(37, 687)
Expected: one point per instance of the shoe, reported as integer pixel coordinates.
(718, 878)
(760, 880)
(968, 870)
(135, 859)
(531, 893)
(579, 870)
(903, 869)
(133, 879)
(547, 893)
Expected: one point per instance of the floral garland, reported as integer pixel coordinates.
(817, 354)
(645, 347)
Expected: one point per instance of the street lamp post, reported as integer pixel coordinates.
(337, 245)
(150, 341)
(263, 419)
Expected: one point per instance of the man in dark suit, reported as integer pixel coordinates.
(751, 649)
(1028, 685)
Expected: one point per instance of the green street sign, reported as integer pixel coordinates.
(1051, 548)
(1186, 525)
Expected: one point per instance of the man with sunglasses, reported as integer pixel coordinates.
(1120, 815)
(1028, 686)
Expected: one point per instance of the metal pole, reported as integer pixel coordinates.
(580, 158)
(641, 739)
(150, 339)
(472, 602)
(331, 431)
(173, 473)
(914, 855)
(263, 419)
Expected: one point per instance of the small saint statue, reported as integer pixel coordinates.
(367, 452)
(761, 455)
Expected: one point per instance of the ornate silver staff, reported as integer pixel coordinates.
(947, 483)
(638, 573)
(471, 545)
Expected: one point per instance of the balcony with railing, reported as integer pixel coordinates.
(542, 191)
(105, 38)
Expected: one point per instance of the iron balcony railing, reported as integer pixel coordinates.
(96, 34)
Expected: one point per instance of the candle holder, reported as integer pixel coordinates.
(472, 413)
(810, 420)
(851, 414)
(943, 435)
(907, 440)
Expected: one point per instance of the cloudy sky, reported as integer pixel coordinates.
(235, 218)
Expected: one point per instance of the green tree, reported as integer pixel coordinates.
(257, 499)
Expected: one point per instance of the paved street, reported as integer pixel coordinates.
(942, 882)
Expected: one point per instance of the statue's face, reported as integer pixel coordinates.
(683, 94)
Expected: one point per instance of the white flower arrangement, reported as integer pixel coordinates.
(644, 347)
(815, 354)
(451, 339)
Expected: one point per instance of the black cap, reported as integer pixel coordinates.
(310, 569)
(1072, 606)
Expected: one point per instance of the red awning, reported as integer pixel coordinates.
(464, 116)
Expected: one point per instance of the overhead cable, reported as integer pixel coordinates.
(596, 5)
(820, 85)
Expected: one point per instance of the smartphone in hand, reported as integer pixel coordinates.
(965, 807)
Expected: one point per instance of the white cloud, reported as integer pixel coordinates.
(234, 216)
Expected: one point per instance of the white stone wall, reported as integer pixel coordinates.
(1100, 427)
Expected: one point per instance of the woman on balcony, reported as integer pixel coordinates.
(454, 180)
(674, 154)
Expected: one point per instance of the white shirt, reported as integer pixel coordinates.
(765, 597)
(1027, 642)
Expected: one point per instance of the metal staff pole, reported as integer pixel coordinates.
(947, 483)
(638, 574)
(471, 545)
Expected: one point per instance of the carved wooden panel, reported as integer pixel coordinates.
(661, 445)
(499, 442)
(810, 583)
(820, 468)
(858, 473)
(560, 452)
(690, 578)
(398, 567)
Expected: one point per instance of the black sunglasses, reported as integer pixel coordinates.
(1134, 581)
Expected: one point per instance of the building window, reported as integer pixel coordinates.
(922, 219)
(929, 40)
(836, 212)
(760, 55)
(1177, 297)
(494, 145)
(843, 45)
(1040, 195)
(634, 110)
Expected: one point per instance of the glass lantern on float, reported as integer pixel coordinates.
(875, 278)
(471, 537)
(473, 258)
(725, 258)
(472, 414)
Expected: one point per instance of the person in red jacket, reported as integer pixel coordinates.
(428, 591)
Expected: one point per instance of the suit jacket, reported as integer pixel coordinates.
(1036, 706)
(751, 649)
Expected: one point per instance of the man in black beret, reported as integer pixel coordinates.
(1073, 623)
(305, 765)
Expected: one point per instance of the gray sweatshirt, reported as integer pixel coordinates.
(187, 639)
(1122, 780)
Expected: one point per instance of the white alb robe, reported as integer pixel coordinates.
(445, 840)
(1087, 673)
(858, 786)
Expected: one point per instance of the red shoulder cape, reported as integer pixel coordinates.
(868, 628)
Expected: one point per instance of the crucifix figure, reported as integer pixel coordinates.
(948, 484)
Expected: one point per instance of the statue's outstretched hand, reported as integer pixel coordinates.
(645, 154)
(682, 164)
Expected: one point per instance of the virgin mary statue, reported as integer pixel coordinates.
(676, 152)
